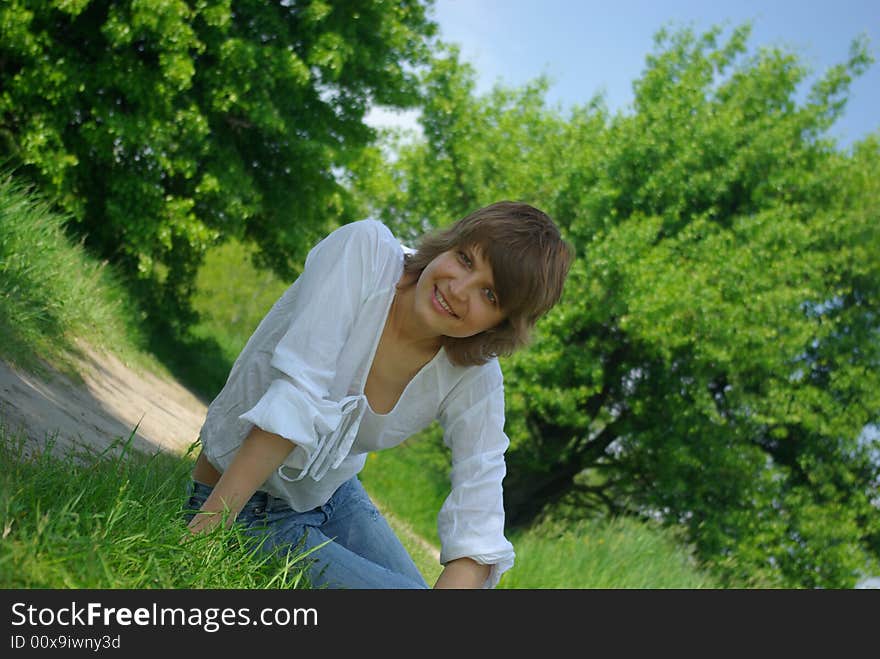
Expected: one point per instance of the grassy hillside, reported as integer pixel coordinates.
(52, 291)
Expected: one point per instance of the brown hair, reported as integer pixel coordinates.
(529, 260)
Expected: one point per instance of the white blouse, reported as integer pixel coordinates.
(302, 374)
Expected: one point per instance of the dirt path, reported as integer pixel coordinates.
(114, 400)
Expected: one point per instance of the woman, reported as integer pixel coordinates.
(371, 344)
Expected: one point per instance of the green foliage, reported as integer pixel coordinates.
(164, 126)
(714, 360)
(231, 297)
(232, 313)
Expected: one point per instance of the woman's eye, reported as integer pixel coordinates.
(490, 295)
(465, 259)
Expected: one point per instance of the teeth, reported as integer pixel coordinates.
(442, 302)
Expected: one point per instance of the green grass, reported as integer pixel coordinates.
(52, 291)
(614, 553)
(114, 519)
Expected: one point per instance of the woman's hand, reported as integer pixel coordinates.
(259, 455)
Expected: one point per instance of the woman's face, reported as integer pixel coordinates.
(455, 294)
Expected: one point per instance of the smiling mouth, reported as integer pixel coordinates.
(443, 303)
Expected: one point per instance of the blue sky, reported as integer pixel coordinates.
(587, 46)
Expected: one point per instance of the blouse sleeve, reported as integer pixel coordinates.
(471, 519)
(338, 275)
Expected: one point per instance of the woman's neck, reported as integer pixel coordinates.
(403, 325)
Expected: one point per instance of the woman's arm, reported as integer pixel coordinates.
(463, 573)
(260, 454)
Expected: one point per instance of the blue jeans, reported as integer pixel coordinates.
(363, 551)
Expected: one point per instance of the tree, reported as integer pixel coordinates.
(725, 376)
(714, 361)
(166, 126)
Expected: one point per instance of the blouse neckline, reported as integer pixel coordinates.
(409, 385)
(372, 356)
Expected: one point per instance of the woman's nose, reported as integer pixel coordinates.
(457, 289)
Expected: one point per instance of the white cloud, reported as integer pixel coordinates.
(406, 121)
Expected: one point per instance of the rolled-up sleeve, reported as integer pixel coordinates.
(471, 520)
(321, 310)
